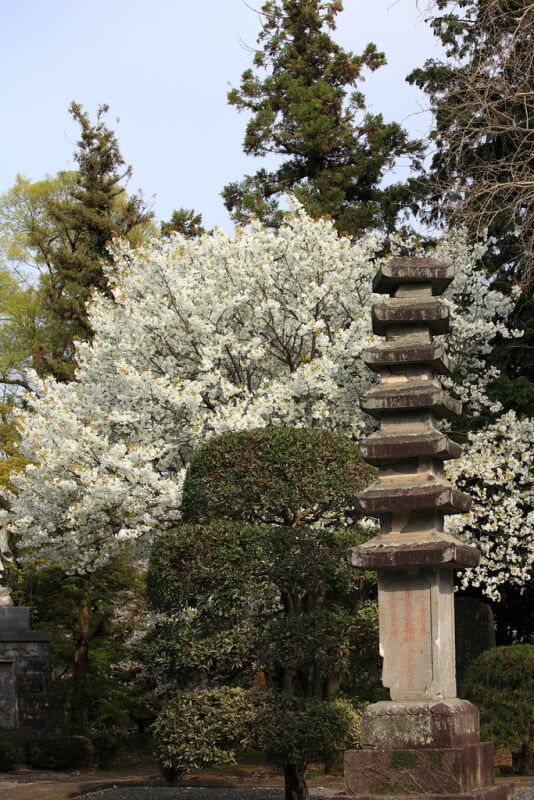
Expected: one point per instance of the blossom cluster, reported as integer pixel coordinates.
(496, 469)
(203, 336)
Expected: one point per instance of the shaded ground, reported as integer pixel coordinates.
(143, 782)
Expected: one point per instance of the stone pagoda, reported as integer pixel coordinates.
(424, 741)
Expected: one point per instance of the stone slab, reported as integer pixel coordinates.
(416, 626)
(410, 270)
(430, 771)
(14, 618)
(390, 551)
(382, 497)
(25, 636)
(390, 725)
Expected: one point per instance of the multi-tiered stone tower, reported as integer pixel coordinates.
(424, 741)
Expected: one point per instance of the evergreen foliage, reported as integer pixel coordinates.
(500, 682)
(273, 475)
(91, 619)
(96, 210)
(64, 226)
(270, 608)
(184, 221)
(334, 154)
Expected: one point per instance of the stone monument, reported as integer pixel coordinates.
(424, 741)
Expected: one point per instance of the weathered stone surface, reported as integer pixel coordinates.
(14, 618)
(398, 311)
(428, 771)
(411, 725)
(416, 625)
(390, 354)
(394, 550)
(409, 395)
(410, 270)
(418, 493)
(501, 792)
(380, 447)
(425, 741)
(27, 703)
(8, 698)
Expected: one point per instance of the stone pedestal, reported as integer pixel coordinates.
(425, 741)
(27, 704)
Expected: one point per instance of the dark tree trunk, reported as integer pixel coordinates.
(79, 705)
(295, 782)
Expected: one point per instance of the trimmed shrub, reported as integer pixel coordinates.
(298, 730)
(201, 728)
(275, 475)
(59, 752)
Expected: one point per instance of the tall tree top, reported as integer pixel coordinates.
(335, 153)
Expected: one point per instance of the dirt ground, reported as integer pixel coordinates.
(26, 784)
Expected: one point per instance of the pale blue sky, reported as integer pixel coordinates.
(164, 68)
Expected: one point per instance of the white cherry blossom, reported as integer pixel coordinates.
(203, 336)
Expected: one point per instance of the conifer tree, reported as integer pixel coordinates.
(334, 153)
(80, 227)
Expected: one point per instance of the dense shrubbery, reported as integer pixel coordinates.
(59, 752)
(500, 682)
(8, 754)
(201, 728)
(259, 596)
(206, 727)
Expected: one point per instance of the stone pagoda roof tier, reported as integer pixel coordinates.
(412, 270)
(433, 314)
(379, 448)
(410, 395)
(416, 492)
(390, 354)
(397, 550)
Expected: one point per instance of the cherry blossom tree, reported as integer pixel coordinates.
(206, 335)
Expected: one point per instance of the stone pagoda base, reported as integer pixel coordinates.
(422, 750)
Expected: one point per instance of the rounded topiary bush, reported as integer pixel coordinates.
(299, 730)
(276, 475)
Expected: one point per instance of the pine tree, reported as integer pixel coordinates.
(82, 224)
(334, 153)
